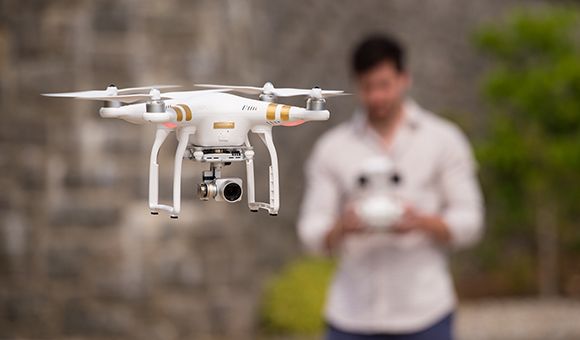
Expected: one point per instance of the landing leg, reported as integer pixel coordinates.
(251, 187)
(181, 147)
(265, 134)
(160, 136)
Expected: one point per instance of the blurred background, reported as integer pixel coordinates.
(82, 258)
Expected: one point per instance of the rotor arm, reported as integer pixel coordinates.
(130, 113)
(300, 114)
(137, 114)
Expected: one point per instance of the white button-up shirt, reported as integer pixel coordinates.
(393, 282)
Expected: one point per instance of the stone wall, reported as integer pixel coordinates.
(80, 256)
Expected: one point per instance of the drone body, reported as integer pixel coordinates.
(219, 119)
(213, 126)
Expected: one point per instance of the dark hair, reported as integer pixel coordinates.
(375, 50)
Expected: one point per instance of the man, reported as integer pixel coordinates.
(391, 285)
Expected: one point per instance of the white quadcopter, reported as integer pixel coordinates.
(218, 124)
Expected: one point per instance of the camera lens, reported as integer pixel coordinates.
(232, 192)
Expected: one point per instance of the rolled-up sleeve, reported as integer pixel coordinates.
(463, 202)
(320, 205)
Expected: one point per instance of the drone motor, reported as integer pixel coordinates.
(156, 105)
(316, 101)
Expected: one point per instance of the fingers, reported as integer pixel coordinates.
(350, 220)
(404, 226)
(408, 222)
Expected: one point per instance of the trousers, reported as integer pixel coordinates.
(439, 331)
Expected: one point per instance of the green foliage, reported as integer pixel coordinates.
(293, 301)
(532, 155)
(534, 90)
(527, 38)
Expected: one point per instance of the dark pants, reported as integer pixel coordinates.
(439, 331)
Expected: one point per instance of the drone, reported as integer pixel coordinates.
(211, 126)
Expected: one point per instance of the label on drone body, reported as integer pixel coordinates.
(224, 125)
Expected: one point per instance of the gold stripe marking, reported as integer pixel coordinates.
(285, 113)
(179, 113)
(224, 125)
(271, 111)
(188, 114)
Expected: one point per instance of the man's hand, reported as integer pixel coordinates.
(348, 223)
(433, 225)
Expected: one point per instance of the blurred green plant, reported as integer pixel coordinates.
(293, 301)
(530, 163)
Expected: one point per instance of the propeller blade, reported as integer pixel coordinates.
(106, 93)
(331, 93)
(134, 90)
(80, 94)
(189, 94)
(269, 88)
(242, 89)
(289, 92)
(128, 98)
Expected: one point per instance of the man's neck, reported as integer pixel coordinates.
(386, 125)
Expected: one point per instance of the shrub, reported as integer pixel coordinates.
(293, 301)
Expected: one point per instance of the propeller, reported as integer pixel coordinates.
(269, 89)
(128, 95)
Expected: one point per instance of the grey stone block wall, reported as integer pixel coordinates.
(80, 256)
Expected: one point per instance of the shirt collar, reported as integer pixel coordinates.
(411, 110)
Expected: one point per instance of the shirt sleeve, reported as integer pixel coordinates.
(320, 205)
(463, 201)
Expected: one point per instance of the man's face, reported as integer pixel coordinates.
(381, 89)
